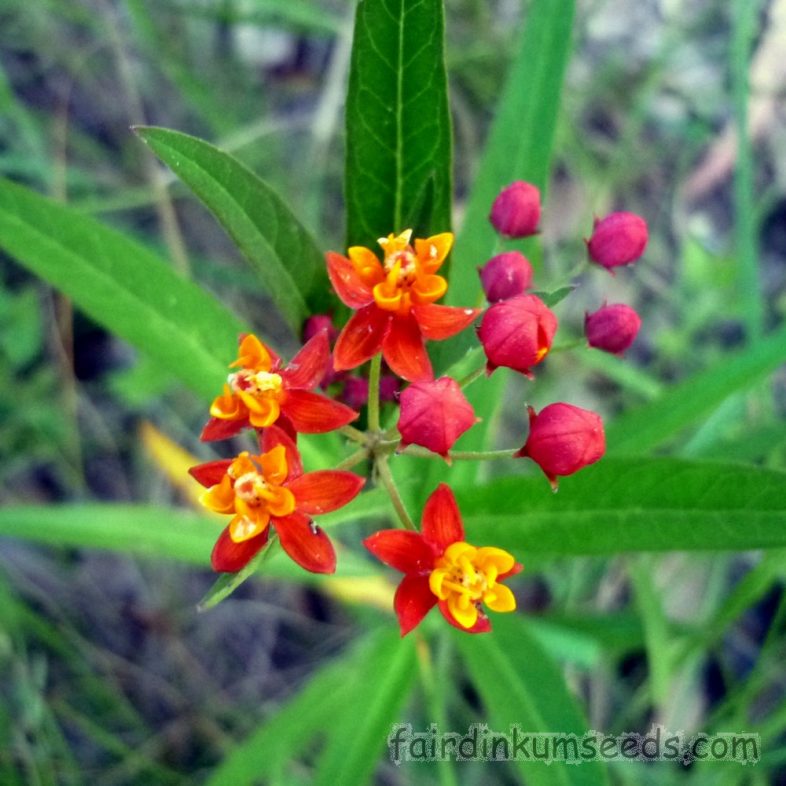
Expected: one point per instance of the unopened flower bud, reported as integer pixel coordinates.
(618, 239)
(434, 415)
(612, 328)
(318, 322)
(516, 210)
(563, 439)
(505, 276)
(355, 392)
(517, 333)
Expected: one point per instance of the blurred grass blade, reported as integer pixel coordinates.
(124, 286)
(686, 403)
(380, 687)
(520, 142)
(285, 256)
(283, 738)
(520, 685)
(622, 506)
(398, 123)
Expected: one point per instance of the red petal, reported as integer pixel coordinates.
(211, 473)
(404, 351)
(218, 428)
(349, 286)
(439, 322)
(441, 519)
(230, 557)
(517, 568)
(272, 437)
(306, 543)
(307, 368)
(413, 601)
(481, 626)
(361, 337)
(325, 490)
(402, 549)
(311, 413)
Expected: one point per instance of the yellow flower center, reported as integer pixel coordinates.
(464, 576)
(408, 276)
(252, 491)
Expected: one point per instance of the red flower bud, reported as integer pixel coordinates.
(517, 333)
(355, 392)
(612, 328)
(434, 415)
(563, 439)
(516, 210)
(389, 387)
(505, 276)
(618, 239)
(318, 322)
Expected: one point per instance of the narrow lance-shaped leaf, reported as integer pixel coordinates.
(619, 506)
(284, 255)
(398, 167)
(123, 285)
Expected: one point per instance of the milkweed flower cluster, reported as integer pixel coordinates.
(393, 298)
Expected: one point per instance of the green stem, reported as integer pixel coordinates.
(355, 434)
(575, 344)
(353, 459)
(373, 392)
(461, 455)
(472, 376)
(386, 476)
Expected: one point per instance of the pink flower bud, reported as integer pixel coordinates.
(389, 387)
(434, 415)
(505, 276)
(318, 322)
(612, 328)
(618, 239)
(563, 439)
(355, 393)
(517, 333)
(516, 210)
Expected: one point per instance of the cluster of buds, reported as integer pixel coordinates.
(393, 298)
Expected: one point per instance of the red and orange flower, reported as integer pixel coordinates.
(395, 302)
(271, 489)
(439, 567)
(261, 392)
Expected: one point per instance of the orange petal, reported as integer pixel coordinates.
(428, 288)
(273, 436)
(366, 264)
(401, 549)
(227, 406)
(481, 626)
(217, 428)
(306, 543)
(348, 283)
(325, 490)
(230, 557)
(253, 354)
(279, 501)
(441, 322)
(432, 251)
(274, 464)
(245, 527)
(441, 523)
(414, 599)
(307, 368)
(361, 337)
(404, 351)
(221, 497)
(265, 411)
(211, 473)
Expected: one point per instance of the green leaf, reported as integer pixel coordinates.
(626, 506)
(380, 686)
(521, 138)
(121, 284)
(284, 737)
(398, 124)
(285, 256)
(519, 147)
(551, 299)
(520, 685)
(648, 427)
